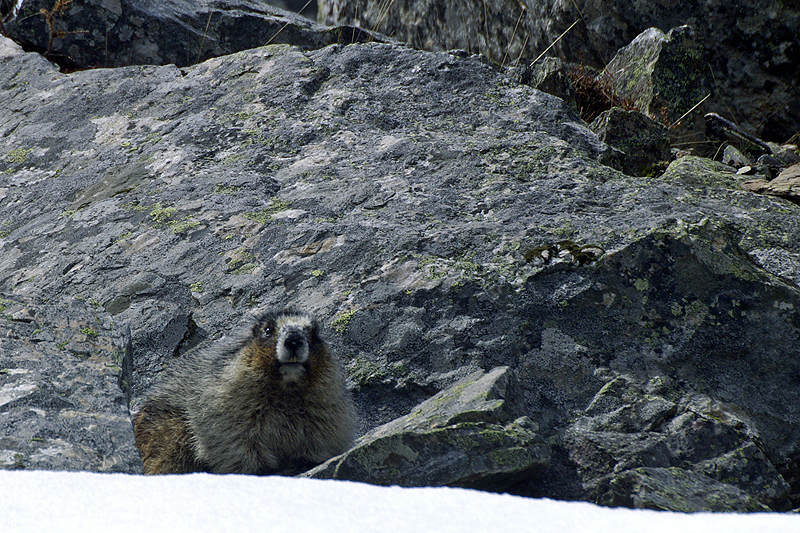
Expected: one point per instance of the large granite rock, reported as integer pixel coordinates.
(753, 47)
(438, 218)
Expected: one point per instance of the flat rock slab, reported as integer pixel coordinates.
(461, 437)
(785, 185)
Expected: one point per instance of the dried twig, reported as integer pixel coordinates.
(203, 41)
(59, 9)
(554, 42)
(736, 131)
(687, 113)
(511, 41)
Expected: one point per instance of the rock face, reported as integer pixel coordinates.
(441, 220)
(753, 47)
(113, 33)
(644, 445)
(64, 374)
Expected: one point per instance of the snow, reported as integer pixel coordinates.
(86, 502)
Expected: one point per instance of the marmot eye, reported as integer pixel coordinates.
(263, 330)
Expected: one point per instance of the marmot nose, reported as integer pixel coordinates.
(293, 343)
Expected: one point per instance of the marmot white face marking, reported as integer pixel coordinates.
(291, 346)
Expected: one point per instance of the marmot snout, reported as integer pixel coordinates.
(269, 400)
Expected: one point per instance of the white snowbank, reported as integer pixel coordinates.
(86, 502)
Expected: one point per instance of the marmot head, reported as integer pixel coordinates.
(288, 342)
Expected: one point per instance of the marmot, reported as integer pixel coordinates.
(269, 400)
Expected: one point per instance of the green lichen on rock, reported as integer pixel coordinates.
(243, 262)
(18, 155)
(160, 214)
(184, 224)
(89, 332)
(361, 370)
(265, 215)
(343, 319)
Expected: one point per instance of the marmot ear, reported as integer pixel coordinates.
(315, 330)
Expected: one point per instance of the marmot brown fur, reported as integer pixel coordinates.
(269, 400)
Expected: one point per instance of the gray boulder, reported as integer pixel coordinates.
(663, 76)
(643, 142)
(464, 436)
(437, 217)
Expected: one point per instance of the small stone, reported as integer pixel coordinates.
(733, 157)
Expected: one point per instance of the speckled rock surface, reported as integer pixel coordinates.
(438, 219)
(64, 373)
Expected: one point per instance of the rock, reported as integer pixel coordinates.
(438, 218)
(644, 142)
(674, 489)
(734, 158)
(769, 165)
(697, 171)
(663, 75)
(79, 34)
(748, 469)
(788, 154)
(752, 46)
(785, 185)
(464, 436)
(549, 75)
(64, 374)
(633, 435)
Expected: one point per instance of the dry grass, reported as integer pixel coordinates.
(594, 94)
